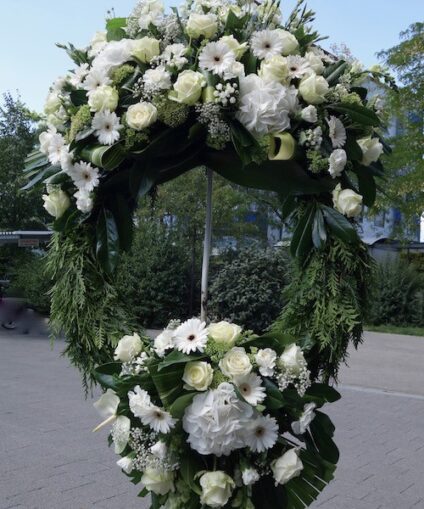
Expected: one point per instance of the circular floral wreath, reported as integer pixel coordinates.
(211, 415)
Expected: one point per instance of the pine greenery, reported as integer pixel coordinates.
(84, 304)
(327, 300)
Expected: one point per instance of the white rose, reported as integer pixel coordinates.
(126, 463)
(347, 202)
(56, 203)
(160, 482)
(188, 87)
(141, 115)
(236, 362)
(292, 358)
(145, 49)
(299, 427)
(337, 160)
(238, 49)
(198, 25)
(274, 69)
(198, 375)
(250, 476)
(164, 342)
(290, 43)
(313, 89)
(52, 104)
(287, 467)
(103, 98)
(217, 488)
(309, 114)
(128, 348)
(371, 150)
(266, 360)
(315, 62)
(224, 332)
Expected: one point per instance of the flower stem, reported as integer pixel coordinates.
(206, 247)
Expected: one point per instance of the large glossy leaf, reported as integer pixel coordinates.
(357, 113)
(319, 233)
(367, 185)
(107, 241)
(40, 176)
(107, 157)
(190, 465)
(115, 29)
(123, 214)
(178, 407)
(176, 357)
(35, 160)
(301, 242)
(333, 72)
(339, 225)
(274, 398)
(323, 392)
(168, 382)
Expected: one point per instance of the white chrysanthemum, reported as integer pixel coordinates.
(217, 57)
(96, 78)
(163, 342)
(264, 106)
(78, 75)
(85, 176)
(266, 360)
(262, 433)
(298, 66)
(139, 400)
(216, 420)
(337, 160)
(157, 79)
(337, 132)
(46, 138)
(251, 388)
(266, 44)
(84, 201)
(106, 127)
(157, 418)
(190, 336)
(250, 476)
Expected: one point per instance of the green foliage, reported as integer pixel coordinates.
(84, 303)
(326, 302)
(17, 210)
(153, 278)
(397, 296)
(248, 289)
(405, 166)
(30, 282)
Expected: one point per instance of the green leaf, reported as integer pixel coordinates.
(301, 242)
(353, 150)
(339, 225)
(190, 466)
(319, 233)
(168, 381)
(333, 72)
(107, 243)
(178, 407)
(115, 29)
(324, 392)
(35, 160)
(107, 157)
(274, 398)
(367, 185)
(289, 205)
(41, 175)
(79, 97)
(123, 215)
(357, 113)
(176, 357)
(322, 430)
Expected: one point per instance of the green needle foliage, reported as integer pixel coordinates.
(84, 304)
(327, 300)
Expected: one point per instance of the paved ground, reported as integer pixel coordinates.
(49, 459)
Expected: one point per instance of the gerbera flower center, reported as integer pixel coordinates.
(192, 337)
(259, 432)
(158, 415)
(245, 389)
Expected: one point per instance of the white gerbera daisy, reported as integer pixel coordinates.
(337, 132)
(157, 418)
(266, 44)
(190, 336)
(217, 57)
(85, 176)
(262, 433)
(55, 148)
(298, 66)
(106, 127)
(96, 78)
(250, 388)
(84, 201)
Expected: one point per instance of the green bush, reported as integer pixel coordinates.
(154, 276)
(247, 288)
(30, 282)
(398, 295)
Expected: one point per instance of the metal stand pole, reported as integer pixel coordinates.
(206, 248)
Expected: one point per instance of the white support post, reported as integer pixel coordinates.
(206, 248)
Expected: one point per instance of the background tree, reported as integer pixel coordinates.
(405, 167)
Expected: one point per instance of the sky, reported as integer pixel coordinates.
(30, 61)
